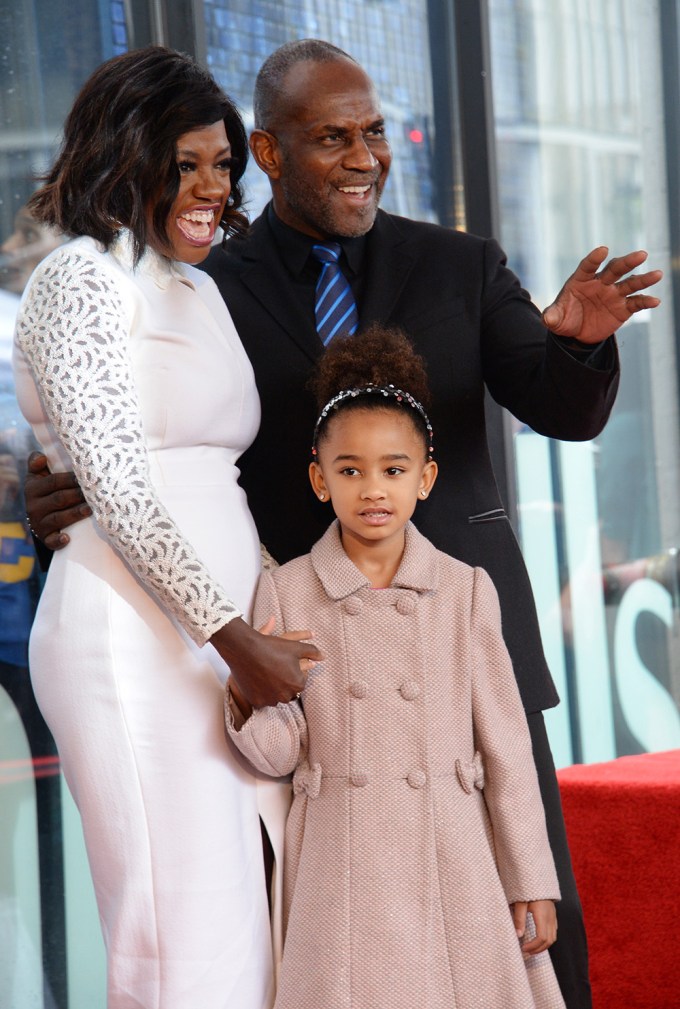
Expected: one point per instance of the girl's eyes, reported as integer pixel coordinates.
(390, 471)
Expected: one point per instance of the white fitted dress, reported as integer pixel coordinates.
(136, 379)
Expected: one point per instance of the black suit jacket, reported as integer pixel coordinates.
(468, 316)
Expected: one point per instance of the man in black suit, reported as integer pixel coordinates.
(319, 136)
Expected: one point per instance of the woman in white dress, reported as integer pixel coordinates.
(131, 373)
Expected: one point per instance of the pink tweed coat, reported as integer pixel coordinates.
(416, 816)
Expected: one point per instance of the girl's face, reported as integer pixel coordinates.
(372, 467)
(204, 163)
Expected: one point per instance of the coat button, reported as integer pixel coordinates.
(353, 605)
(409, 690)
(359, 688)
(406, 605)
(416, 779)
(359, 779)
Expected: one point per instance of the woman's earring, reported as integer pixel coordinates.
(321, 496)
(423, 493)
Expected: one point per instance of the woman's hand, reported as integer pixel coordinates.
(266, 669)
(53, 501)
(545, 920)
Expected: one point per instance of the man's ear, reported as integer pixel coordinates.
(265, 149)
(317, 481)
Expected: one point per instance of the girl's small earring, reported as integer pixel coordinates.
(322, 496)
(423, 493)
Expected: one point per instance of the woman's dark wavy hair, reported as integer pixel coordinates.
(118, 151)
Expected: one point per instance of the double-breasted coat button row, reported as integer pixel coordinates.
(405, 605)
(416, 778)
(409, 689)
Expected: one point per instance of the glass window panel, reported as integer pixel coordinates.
(51, 952)
(580, 164)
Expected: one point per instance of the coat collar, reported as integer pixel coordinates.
(418, 570)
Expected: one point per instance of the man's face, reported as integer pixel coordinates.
(330, 155)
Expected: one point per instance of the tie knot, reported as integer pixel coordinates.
(329, 253)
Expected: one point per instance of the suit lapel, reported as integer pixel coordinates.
(389, 263)
(264, 274)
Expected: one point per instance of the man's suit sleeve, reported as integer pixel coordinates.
(533, 373)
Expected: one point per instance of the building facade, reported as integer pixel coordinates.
(550, 124)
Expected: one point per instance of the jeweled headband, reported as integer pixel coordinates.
(380, 390)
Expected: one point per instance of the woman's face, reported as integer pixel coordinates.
(204, 163)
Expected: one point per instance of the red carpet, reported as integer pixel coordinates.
(623, 822)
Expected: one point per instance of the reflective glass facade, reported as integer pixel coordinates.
(580, 135)
(580, 161)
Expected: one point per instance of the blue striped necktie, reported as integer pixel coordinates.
(335, 308)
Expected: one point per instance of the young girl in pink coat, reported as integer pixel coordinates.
(417, 871)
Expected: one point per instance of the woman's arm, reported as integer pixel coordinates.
(74, 329)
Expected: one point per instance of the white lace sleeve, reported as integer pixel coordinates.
(73, 328)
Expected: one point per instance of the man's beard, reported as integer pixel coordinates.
(320, 215)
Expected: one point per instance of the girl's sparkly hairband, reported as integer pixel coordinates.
(366, 390)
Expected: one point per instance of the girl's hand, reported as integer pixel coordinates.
(545, 920)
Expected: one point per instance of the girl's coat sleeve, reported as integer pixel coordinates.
(511, 790)
(273, 738)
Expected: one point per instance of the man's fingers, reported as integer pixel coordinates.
(616, 268)
(619, 266)
(37, 463)
(639, 281)
(55, 483)
(56, 541)
(639, 302)
(590, 264)
(52, 522)
(71, 498)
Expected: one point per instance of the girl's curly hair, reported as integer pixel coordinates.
(377, 356)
